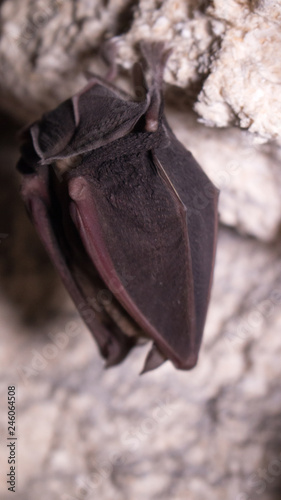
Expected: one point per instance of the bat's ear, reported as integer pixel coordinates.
(155, 56)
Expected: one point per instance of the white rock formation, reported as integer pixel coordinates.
(209, 434)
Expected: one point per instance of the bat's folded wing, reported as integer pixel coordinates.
(54, 227)
(133, 223)
(58, 135)
(199, 197)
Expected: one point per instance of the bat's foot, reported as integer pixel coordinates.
(155, 56)
(108, 53)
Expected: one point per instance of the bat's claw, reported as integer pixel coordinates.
(154, 359)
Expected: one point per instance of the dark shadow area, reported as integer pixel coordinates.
(27, 277)
(125, 18)
(269, 473)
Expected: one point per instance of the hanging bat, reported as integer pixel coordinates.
(127, 215)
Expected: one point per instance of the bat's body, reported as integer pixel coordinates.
(113, 195)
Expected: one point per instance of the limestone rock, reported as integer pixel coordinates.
(243, 87)
(248, 175)
(208, 434)
(225, 57)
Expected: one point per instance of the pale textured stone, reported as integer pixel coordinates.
(225, 55)
(248, 176)
(44, 47)
(169, 434)
(207, 434)
(244, 83)
(183, 26)
(234, 46)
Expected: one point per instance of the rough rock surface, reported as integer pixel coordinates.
(234, 46)
(211, 433)
(225, 58)
(248, 176)
(244, 82)
(214, 432)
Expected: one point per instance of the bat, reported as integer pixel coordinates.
(126, 214)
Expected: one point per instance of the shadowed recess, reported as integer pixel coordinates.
(27, 278)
